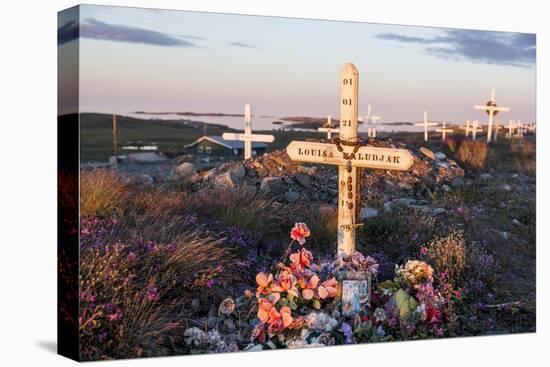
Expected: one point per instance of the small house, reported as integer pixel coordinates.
(216, 146)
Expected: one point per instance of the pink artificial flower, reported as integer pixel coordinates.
(300, 232)
(328, 289)
(309, 288)
(264, 282)
(286, 283)
(279, 320)
(423, 251)
(266, 305)
(301, 259)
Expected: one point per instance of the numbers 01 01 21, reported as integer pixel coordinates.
(346, 101)
(347, 81)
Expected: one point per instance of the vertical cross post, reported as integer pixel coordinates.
(115, 146)
(347, 175)
(247, 131)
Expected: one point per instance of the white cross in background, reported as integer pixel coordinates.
(467, 129)
(248, 137)
(519, 129)
(329, 128)
(426, 124)
(491, 109)
(475, 129)
(496, 128)
(511, 126)
(348, 154)
(444, 131)
(372, 119)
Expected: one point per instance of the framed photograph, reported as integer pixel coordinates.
(231, 183)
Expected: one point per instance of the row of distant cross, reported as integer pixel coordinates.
(517, 129)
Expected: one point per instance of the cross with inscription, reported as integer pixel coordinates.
(444, 131)
(348, 154)
(426, 123)
(248, 137)
(328, 128)
(491, 108)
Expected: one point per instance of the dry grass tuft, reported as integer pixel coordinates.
(102, 193)
(473, 153)
(448, 254)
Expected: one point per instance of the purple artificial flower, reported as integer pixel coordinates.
(348, 333)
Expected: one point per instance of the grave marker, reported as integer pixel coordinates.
(248, 137)
(115, 146)
(329, 128)
(519, 129)
(491, 108)
(467, 129)
(372, 119)
(510, 129)
(426, 124)
(475, 129)
(444, 131)
(348, 154)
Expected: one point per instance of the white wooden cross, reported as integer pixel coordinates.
(426, 124)
(444, 131)
(329, 128)
(248, 137)
(491, 108)
(348, 154)
(496, 128)
(466, 128)
(373, 119)
(519, 129)
(475, 129)
(511, 126)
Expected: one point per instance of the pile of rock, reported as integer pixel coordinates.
(289, 181)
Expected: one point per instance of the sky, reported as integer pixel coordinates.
(165, 60)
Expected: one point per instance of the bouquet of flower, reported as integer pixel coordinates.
(284, 297)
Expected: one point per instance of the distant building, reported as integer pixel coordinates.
(216, 146)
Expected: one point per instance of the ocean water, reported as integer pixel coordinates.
(261, 122)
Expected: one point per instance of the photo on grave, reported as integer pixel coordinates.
(235, 183)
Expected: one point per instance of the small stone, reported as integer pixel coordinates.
(366, 213)
(504, 235)
(486, 176)
(291, 196)
(387, 207)
(404, 202)
(440, 156)
(438, 211)
(457, 182)
(505, 187)
(303, 180)
(428, 153)
(184, 170)
(238, 172)
(195, 303)
(310, 171)
(446, 188)
(273, 184)
(517, 222)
